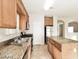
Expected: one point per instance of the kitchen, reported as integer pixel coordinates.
(21, 20)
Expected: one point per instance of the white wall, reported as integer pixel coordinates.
(37, 28)
(55, 29)
(68, 35)
(31, 20)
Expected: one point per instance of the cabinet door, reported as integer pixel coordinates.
(9, 13)
(48, 21)
(22, 22)
(57, 53)
(0, 13)
(50, 48)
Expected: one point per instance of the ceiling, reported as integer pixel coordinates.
(59, 8)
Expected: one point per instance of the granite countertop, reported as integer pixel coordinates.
(14, 51)
(62, 40)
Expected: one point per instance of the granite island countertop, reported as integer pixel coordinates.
(62, 40)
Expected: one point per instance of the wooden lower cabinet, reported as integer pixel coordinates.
(62, 50)
(53, 50)
(56, 53)
(50, 48)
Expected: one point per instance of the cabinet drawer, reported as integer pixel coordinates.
(56, 53)
(54, 43)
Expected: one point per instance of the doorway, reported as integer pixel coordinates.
(47, 33)
(61, 30)
(61, 27)
(45, 39)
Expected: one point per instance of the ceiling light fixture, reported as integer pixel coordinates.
(48, 4)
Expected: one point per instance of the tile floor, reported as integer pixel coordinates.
(40, 52)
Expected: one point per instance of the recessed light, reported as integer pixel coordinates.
(48, 4)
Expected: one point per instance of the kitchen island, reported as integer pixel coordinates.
(62, 48)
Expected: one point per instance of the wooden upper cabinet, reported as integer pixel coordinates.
(0, 13)
(48, 21)
(8, 13)
(23, 15)
(22, 22)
